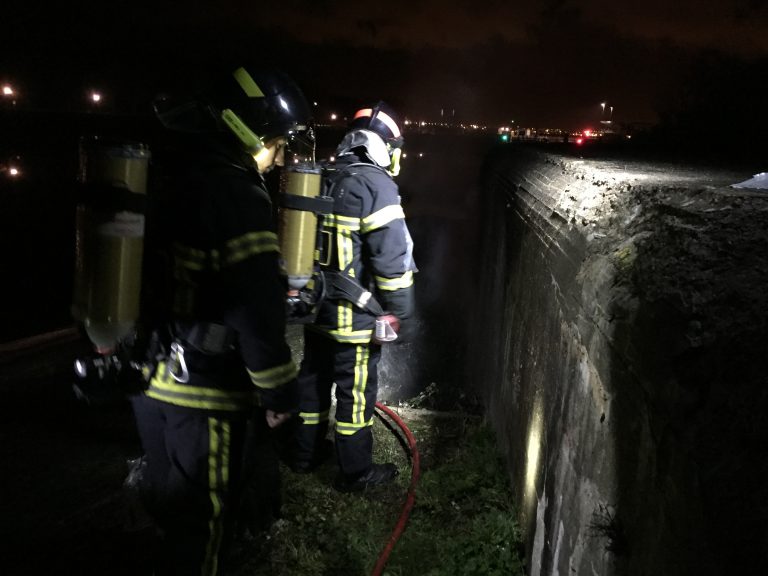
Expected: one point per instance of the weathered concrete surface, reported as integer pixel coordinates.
(621, 346)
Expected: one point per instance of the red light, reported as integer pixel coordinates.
(587, 133)
(579, 141)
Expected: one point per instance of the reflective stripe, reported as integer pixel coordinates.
(314, 417)
(218, 479)
(275, 376)
(349, 428)
(338, 221)
(346, 251)
(345, 248)
(344, 317)
(192, 258)
(360, 382)
(250, 244)
(346, 337)
(404, 281)
(382, 217)
(247, 83)
(166, 389)
(236, 250)
(380, 115)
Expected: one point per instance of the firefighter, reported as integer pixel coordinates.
(368, 267)
(221, 353)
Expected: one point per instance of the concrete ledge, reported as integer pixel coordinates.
(620, 344)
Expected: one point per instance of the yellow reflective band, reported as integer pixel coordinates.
(247, 245)
(170, 385)
(166, 389)
(345, 248)
(311, 418)
(346, 336)
(213, 451)
(236, 250)
(349, 428)
(218, 457)
(360, 383)
(382, 217)
(247, 83)
(337, 221)
(391, 284)
(200, 403)
(344, 316)
(227, 440)
(394, 165)
(274, 377)
(190, 258)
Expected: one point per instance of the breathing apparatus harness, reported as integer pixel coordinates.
(341, 285)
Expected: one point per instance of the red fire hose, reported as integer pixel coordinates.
(411, 497)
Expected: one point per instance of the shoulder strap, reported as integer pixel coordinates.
(336, 176)
(340, 285)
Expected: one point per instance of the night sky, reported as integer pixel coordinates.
(547, 63)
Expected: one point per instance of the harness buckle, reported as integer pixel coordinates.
(177, 366)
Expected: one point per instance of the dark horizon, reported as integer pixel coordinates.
(551, 66)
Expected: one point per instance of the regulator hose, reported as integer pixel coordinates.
(411, 497)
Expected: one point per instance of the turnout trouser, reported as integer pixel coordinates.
(191, 482)
(353, 368)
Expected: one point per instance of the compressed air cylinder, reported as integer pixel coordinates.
(110, 240)
(298, 228)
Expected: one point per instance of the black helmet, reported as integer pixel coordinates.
(268, 101)
(380, 119)
(255, 105)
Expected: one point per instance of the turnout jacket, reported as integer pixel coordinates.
(366, 237)
(224, 296)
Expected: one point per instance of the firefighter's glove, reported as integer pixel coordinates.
(275, 419)
(282, 399)
(386, 329)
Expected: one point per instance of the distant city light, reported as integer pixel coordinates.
(8, 90)
(95, 97)
(13, 171)
(333, 116)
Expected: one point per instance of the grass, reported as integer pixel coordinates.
(463, 522)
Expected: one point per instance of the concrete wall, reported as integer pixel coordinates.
(619, 341)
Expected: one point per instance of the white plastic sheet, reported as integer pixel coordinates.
(758, 181)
